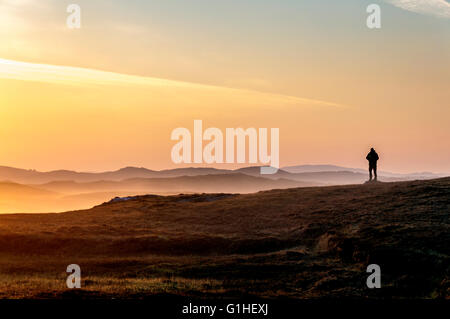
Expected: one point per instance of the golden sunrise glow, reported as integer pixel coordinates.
(109, 94)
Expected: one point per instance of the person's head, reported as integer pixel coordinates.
(372, 150)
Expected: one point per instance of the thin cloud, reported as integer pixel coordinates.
(438, 8)
(65, 75)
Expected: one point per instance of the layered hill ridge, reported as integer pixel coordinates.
(64, 190)
(233, 183)
(62, 195)
(24, 176)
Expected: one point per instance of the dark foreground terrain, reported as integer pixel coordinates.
(299, 243)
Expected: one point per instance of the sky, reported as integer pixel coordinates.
(109, 94)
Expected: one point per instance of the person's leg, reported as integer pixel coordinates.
(375, 171)
(370, 173)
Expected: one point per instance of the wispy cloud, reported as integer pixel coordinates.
(438, 8)
(65, 75)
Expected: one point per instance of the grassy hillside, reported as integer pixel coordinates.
(301, 243)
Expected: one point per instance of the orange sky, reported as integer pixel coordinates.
(333, 90)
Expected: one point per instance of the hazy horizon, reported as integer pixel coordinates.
(213, 166)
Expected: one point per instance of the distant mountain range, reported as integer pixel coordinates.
(334, 168)
(70, 195)
(217, 183)
(36, 177)
(33, 191)
(310, 173)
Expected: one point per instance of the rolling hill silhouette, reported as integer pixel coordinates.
(232, 183)
(24, 176)
(59, 196)
(64, 190)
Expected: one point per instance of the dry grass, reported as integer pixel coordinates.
(298, 243)
(24, 286)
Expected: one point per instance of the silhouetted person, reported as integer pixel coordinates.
(372, 157)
